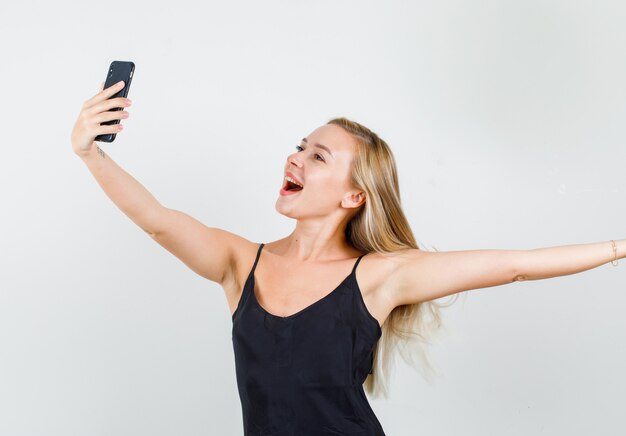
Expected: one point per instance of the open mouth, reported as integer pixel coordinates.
(289, 185)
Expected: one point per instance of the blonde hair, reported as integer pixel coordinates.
(381, 226)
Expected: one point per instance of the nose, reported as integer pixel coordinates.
(296, 162)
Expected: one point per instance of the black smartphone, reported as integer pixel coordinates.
(118, 70)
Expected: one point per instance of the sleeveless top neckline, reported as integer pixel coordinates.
(251, 282)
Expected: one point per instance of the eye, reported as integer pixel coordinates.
(299, 148)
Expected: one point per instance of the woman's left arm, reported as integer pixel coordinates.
(422, 275)
(544, 263)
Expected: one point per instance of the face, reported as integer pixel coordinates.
(324, 174)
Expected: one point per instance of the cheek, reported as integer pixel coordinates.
(330, 182)
(329, 188)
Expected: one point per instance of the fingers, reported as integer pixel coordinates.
(111, 115)
(108, 104)
(108, 128)
(104, 94)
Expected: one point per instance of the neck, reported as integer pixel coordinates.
(316, 241)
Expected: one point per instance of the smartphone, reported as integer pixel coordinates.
(118, 70)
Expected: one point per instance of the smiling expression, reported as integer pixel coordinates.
(322, 165)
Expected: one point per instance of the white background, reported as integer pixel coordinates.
(507, 121)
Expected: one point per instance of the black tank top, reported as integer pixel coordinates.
(303, 374)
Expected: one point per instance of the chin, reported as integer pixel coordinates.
(281, 209)
(285, 210)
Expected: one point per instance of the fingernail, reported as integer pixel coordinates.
(120, 82)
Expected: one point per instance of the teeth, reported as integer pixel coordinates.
(293, 181)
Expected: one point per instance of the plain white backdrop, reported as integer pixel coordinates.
(507, 121)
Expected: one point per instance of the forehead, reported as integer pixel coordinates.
(334, 137)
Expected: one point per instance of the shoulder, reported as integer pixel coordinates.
(378, 273)
(244, 252)
(384, 263)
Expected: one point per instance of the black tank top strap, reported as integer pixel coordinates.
(258, 253)
(357, 262)
(247, 289)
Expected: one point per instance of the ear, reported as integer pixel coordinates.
(353, 199)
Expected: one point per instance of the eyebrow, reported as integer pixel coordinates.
(322, 146)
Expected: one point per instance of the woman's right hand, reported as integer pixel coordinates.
(96, 111)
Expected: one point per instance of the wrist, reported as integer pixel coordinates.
(618, 250)
(85, 153)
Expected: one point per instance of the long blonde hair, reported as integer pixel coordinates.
(381, 226)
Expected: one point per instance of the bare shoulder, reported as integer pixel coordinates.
(377, 278)
(210, 252)
(380, 267)
(396, 263)
(243, 254)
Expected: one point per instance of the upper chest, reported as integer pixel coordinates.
(283, 288)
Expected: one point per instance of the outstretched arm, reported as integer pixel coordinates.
(208, 251)
(422, 275)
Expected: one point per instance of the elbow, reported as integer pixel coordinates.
(519, 278)
(519, 275)
(518, 266)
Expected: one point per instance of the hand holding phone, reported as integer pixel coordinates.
(99, 117)
(118, 70)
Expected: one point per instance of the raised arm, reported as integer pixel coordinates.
(422, 275)
(205, 250)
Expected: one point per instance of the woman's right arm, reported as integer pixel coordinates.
(130, 196)
(208, 251)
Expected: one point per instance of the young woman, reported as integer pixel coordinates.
(308, 325)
